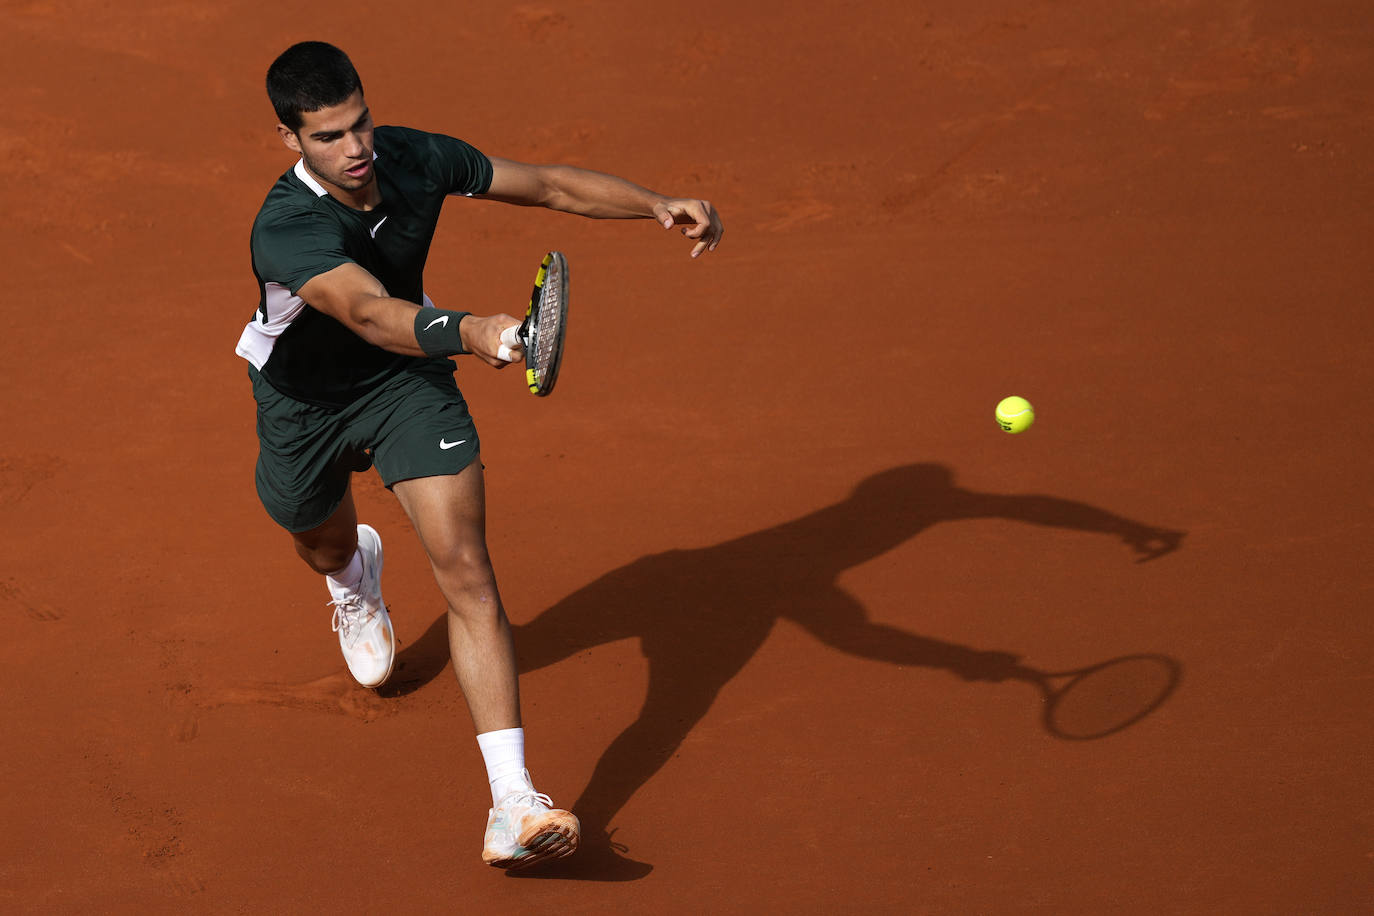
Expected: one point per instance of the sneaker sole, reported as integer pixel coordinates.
(553, 837)
(534, 858)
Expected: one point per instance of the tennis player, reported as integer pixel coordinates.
(350, 363)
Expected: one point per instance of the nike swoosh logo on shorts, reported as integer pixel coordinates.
(442, 320)
(374, 229)
(446, 445)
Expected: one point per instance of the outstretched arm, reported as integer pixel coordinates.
(351, 295)
(600, 196)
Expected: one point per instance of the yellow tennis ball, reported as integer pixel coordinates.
(1015, 415)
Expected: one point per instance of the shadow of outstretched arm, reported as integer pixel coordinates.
(1147, 541)
(841, 623)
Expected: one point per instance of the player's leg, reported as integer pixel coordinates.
(427, 450)
(330, 547)
(349, 556)
(305, 463)
(449, 514)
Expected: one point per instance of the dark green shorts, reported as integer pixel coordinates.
(415, 425)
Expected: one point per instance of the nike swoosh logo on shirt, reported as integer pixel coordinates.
(374, 229)
(446, 445)
(441, 320)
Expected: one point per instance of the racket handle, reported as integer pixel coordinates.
(510, 339)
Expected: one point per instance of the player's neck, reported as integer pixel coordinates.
(366, 198)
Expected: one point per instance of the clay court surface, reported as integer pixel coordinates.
(764, 548)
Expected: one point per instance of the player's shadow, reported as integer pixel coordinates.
(701, 614)
(420, 662)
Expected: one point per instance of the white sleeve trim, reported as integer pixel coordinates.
(260, 335)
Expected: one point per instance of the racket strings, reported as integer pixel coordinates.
(547, 324)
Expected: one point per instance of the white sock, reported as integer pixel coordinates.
(348, 578)
(504, 754)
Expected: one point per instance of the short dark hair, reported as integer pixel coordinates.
(307, 77)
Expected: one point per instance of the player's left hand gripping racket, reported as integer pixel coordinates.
(545, 325)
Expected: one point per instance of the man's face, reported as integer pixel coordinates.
(336, 143)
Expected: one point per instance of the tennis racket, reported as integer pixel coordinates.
(545, 325)
(1103, 699)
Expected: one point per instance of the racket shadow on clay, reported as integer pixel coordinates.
(1102, 699)
(699, 616)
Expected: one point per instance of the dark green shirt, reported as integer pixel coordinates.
(301, 232)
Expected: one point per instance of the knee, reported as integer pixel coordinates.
(465, 574)
(325, 557)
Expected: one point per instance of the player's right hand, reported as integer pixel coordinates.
(1152, 543)
(698, 218)
(482, 336)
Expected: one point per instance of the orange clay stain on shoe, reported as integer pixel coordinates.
(525, 829)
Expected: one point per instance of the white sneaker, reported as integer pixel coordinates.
(525, 828)
(361, 620)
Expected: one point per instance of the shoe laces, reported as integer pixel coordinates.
(527, 798)
(349, 617)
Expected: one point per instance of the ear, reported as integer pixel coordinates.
(288, 136)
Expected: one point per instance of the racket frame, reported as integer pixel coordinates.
(555, 266)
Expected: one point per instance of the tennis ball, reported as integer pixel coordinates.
(1015, 415)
